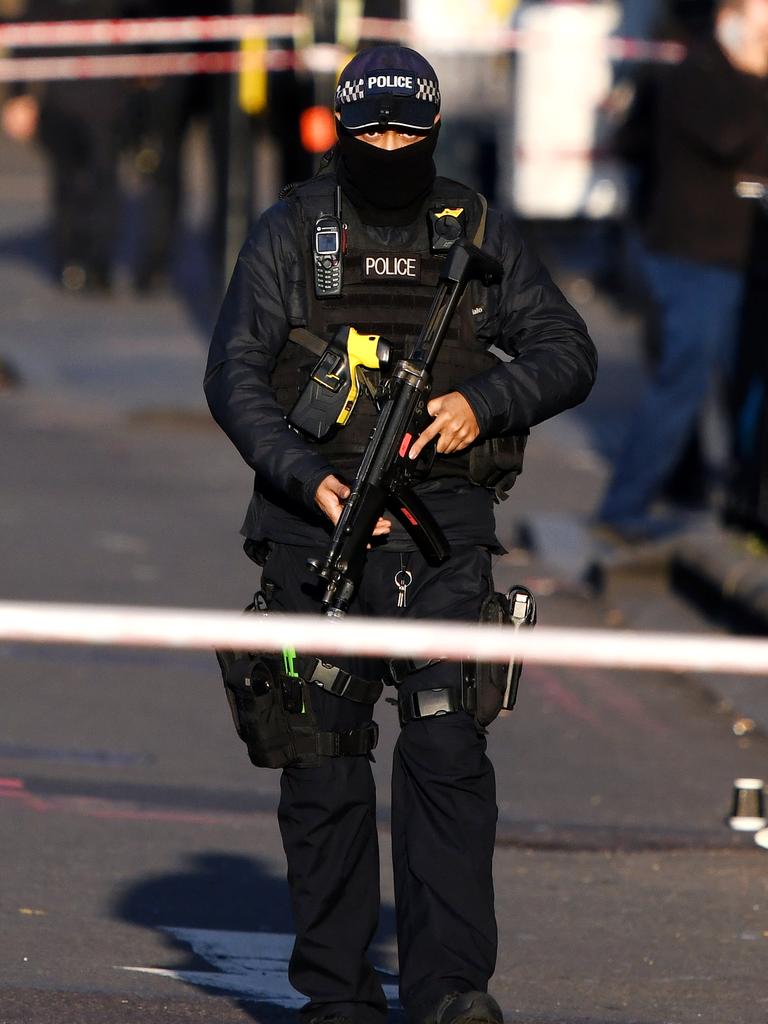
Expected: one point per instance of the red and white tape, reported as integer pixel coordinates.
(135, 31)
(231, 28)
(175, 628)
(152, 65)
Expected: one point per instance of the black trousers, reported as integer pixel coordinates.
(443, 815)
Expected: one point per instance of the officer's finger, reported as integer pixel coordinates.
(435, 405)
(329, 503)
(426, 436)
(452, 438)
(447, 438)
(337, 487)
(454, 442)
(332, 509)
(382, 526)
(330, 495)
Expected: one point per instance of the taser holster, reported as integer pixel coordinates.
(334, 386)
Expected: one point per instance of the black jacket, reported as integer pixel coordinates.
(526, 316)
(711, 130)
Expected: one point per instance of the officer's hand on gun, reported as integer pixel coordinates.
(455, 426)
(330, 497)
(454, 421)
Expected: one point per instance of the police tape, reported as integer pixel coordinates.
(178, 628)
(158, 65)
(233, 28)
(136, 31)
(323, 58)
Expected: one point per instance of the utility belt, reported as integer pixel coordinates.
(270, 695)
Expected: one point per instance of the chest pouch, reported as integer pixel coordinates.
(497, 463)
(270, 698)
(335, 384)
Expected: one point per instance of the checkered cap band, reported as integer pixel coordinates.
(427, 90)
(351, 92)
(354, 91)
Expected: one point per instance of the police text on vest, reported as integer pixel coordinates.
(391, 266)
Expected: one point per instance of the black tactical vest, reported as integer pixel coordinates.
(387, 290)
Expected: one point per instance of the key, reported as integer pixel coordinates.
(403, 580)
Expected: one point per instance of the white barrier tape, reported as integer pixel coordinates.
(324, 59)
(174, 628)
(133, 31)
(154, 65)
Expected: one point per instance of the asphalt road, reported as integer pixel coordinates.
(142, 874)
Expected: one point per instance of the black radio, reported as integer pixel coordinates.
(327, 256)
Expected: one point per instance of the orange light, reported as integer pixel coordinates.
(317, 129)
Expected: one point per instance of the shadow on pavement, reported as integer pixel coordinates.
(225, 893)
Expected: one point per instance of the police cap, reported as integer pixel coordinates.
(388, 87)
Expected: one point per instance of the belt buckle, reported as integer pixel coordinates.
(329, 677)
(430, 703)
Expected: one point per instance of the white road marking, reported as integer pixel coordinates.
(253, 965)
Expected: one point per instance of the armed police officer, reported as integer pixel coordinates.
(358, 250)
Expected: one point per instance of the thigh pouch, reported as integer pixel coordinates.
(270, 700)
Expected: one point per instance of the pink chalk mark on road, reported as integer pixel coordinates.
(626, 704)
(15, 791)
(552, 685)
(606, 700)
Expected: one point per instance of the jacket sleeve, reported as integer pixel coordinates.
(553, 362)
(250, 333)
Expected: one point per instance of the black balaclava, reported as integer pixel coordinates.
(387, 187)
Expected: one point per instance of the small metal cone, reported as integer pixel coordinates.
(748, 813)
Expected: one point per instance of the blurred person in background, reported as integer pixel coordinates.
(159, 112)
(477, 87)
(710, 130)
(684, 22)
(80, 125)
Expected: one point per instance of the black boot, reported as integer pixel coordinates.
(466, 1008)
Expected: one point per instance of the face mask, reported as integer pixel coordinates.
(387, 186)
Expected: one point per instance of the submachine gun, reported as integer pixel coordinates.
(384, 479)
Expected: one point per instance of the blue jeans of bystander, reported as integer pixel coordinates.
(699, 308)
